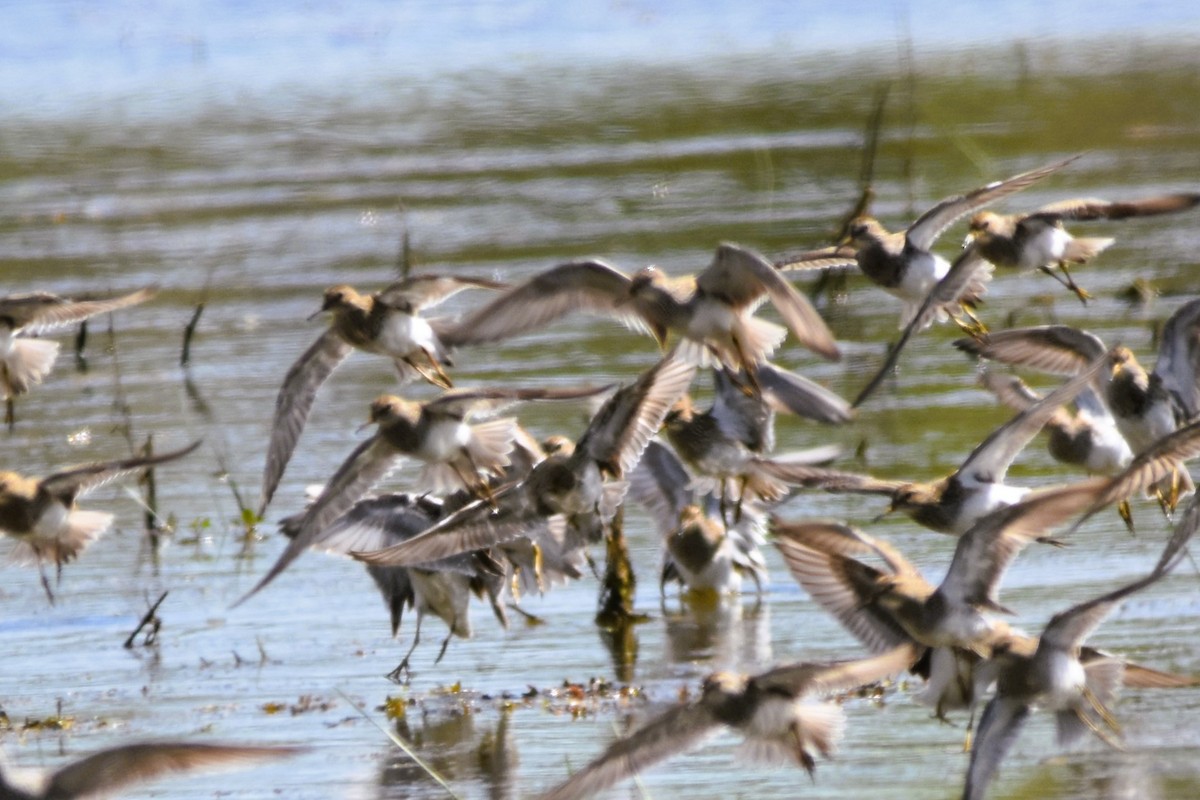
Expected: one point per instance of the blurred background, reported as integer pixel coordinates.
(244, 156)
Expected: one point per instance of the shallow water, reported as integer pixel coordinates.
(251, 190)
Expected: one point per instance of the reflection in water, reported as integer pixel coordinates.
(459, 748)
(257, 208)
(620, 640)
(725, 633)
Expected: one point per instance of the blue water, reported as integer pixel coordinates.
(152, 57)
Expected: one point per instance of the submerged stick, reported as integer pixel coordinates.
(80, 343)
(398, 740)
(866, 173)
(618, 587)
(149, 618)
(188, 332)
(404, 257)
(150, 512)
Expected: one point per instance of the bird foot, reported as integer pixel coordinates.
(401, 669)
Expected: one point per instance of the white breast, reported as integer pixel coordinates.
(1045, 248)
(444, 440)
(404, 334)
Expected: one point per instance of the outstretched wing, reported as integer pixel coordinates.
(113, 769)
(624, 425)
(1057, 349)
(989, 462)
(1178, 362)
(366, 466)
(41, 312)
(819, 557)
(423, 291)
(930, 225)
(842, 676)
(967, 269)
(1090, 208)
(80, 480)
(999, 728)
(679, 729)
(985, 552)
(741, 276)
(659, 484)
(294, 402)
(824, 258)
(593, 286)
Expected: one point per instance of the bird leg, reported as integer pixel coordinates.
(1101, 710)
(1079, 291)
(10, 415)
(737, 508)
(1068, 281)
(974, 327)
(969, 739)
(1126, 513)
(475, 483)
(803, 756)
(538, 563)
(1103, 734)
(402, 667)
(446, 642)
(424, 373)
(532, 619)
(444, 379)
(749, 366)
(1171, 499)
(46, 581)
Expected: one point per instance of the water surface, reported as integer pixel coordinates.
(201, 153)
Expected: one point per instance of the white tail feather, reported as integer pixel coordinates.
(757, 338)
(83, 528)
(785, 732)
(1079, 251)
(28, 362)
(491, 442)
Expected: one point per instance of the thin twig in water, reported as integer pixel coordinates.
(263, 658)
(149, 618)
(150, 513)
(189, 331)
(866, 172)
(120, 403)
(81, 363)
(404, 257)
(398, 740)
(246, 515)
(619, 585)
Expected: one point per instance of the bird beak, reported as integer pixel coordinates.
(364, 426)
(315, 314)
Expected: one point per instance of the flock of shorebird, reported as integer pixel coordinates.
(497, 513)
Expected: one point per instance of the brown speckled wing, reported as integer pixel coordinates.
(930, 225)
(42, 312)
(109, 770)
(592, 286)
(679, 729)
(293, 404)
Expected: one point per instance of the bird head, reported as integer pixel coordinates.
(388, 409)
(337, 298)
(982, 223)
(862, 231)
(912, 496)
(681, 412)
(643, 280)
